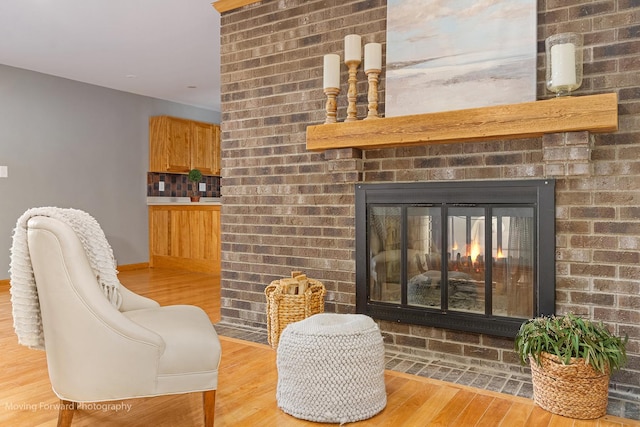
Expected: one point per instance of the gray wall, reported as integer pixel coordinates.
(71, 144)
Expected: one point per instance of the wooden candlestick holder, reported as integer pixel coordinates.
(332, 104)
(372, 95)
(352, 94)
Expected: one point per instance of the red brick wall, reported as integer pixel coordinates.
(285, 208)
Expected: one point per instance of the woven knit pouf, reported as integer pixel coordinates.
(331, 368)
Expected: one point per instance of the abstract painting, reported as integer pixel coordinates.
(447, 55)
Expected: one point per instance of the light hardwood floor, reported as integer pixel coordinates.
(247, 382)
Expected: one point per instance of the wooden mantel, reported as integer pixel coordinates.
(593, 113)
(227, 5)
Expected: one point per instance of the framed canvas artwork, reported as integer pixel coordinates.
(447, 55)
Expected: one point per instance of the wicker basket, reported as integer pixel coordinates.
(575, 390)
(283, 308)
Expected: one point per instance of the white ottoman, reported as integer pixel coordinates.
(331, 368)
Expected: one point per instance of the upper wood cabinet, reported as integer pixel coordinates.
(205, 147)
(179, 145)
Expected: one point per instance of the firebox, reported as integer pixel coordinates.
(473, 256)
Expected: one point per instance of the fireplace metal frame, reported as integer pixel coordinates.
(538, 193)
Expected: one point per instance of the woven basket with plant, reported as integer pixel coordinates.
(571, 361)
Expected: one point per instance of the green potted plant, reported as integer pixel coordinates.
(571, 362)
(195, 176)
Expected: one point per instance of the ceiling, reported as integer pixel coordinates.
(167, 49)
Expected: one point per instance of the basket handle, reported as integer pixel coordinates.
(313, 289)
(275, 289)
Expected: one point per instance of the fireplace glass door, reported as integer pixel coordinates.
(487, 267)
(456, 258)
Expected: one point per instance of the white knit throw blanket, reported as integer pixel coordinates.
(24, 294)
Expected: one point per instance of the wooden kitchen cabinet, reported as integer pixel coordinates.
(185, 237)
(179, 145)
(205, 148)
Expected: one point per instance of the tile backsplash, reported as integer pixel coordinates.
(178, 185)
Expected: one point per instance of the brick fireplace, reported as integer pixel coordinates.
(285, 207)
(474, 256)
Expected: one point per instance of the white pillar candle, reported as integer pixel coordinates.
(331, 77)
(563, 65)
(372, 56)
(352, 48)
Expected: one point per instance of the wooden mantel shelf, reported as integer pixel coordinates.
(593, 113)
(227, 5)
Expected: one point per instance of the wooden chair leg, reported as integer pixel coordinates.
(209, 406)
(65, 413)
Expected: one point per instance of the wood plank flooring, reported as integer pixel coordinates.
(247, 383)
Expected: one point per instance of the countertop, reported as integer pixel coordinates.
(159, 200)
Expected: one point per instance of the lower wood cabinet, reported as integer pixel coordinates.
(185, 237)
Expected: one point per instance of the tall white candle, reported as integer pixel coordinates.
(352, 48)
(563, 65)
(331, 76)
(372, 56)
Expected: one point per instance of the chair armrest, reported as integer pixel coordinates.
(133, 301)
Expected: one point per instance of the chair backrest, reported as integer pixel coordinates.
(92, 349)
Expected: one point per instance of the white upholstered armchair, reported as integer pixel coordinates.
(99, 352)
